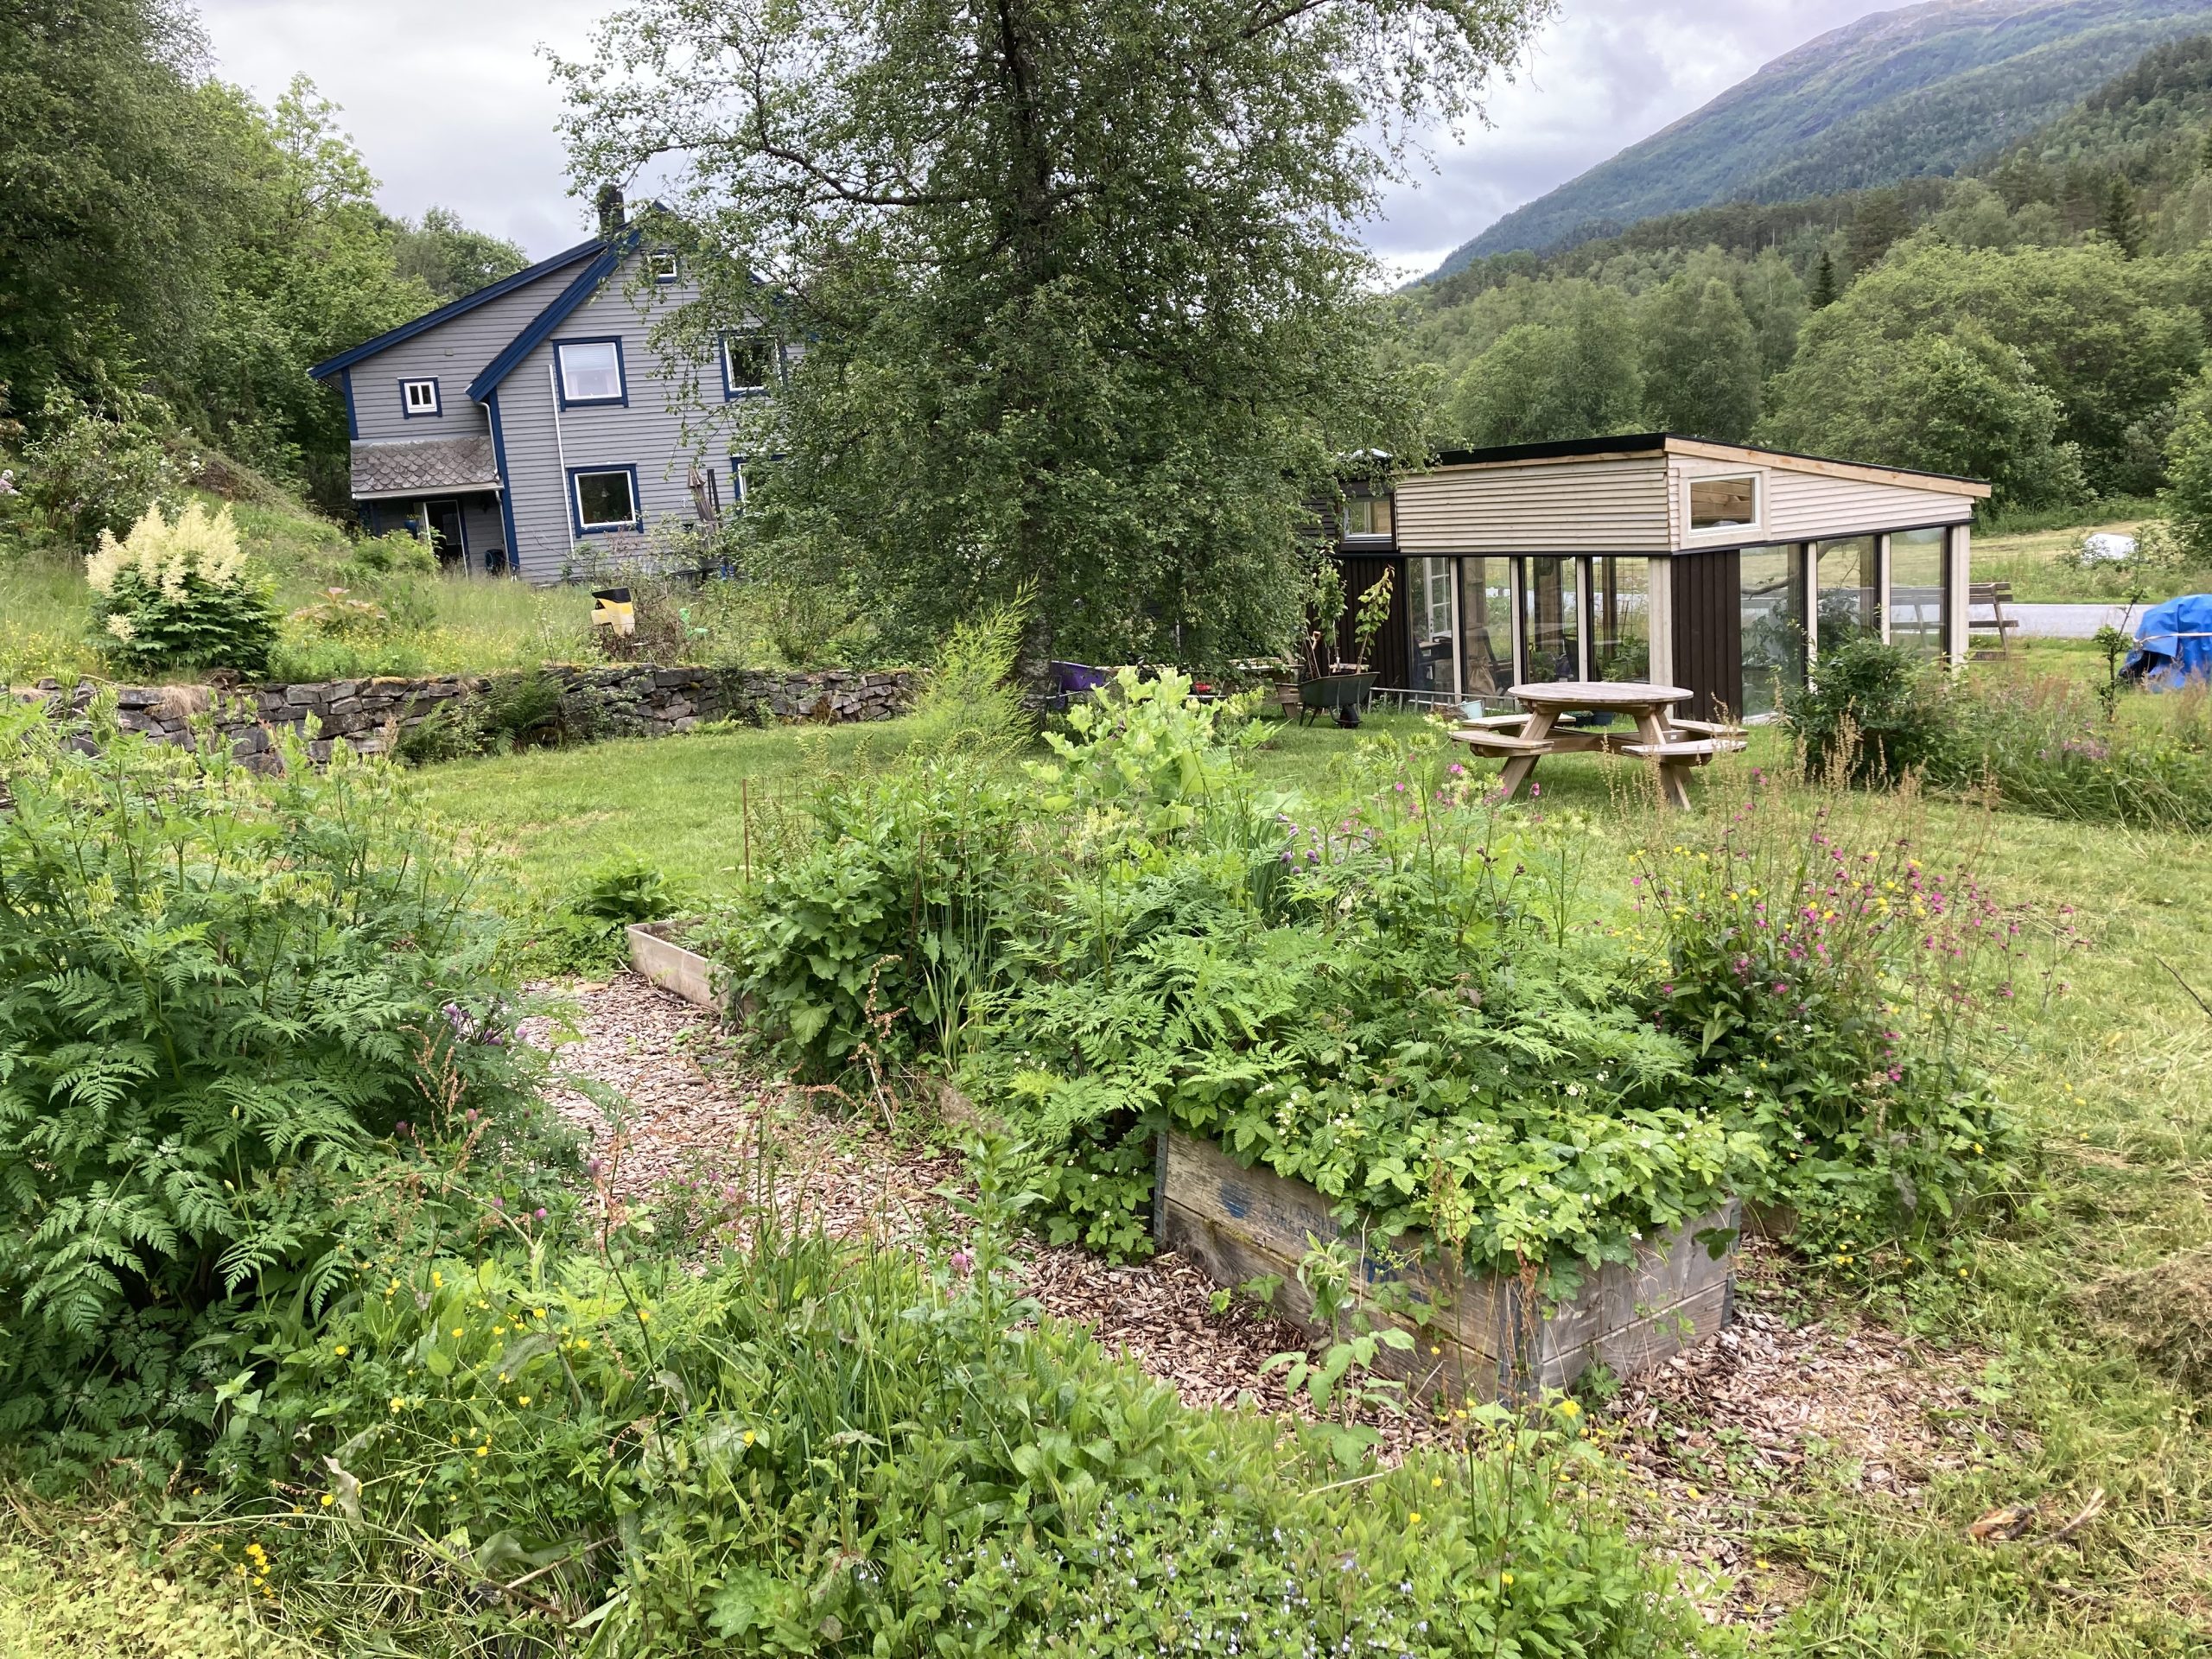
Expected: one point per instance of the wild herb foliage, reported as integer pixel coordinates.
(1389, 995)
(806, 1448)
(1439, 1013)
(2056, 747)
(884, 933)
(223, 995)
(1848, 1002)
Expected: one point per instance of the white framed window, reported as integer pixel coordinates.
(418, 398)
(666, 268)
(591, 371)
(1367, 515)
(1728, 502)
(751, 365)
(739, 487)
(606, 498)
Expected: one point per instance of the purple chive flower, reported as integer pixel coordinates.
(540, 1212)
(963, 1262)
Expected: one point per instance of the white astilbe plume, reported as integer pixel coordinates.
(165, 552)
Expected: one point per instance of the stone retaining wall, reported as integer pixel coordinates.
(371, 716)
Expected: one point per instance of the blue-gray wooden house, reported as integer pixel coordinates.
(532, 421)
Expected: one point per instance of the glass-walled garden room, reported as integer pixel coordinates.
(1741, 627)
(1655, 557)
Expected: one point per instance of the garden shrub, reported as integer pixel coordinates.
(1845, 1002)
(91, 473)
(1873, 711)
(583, 931)
(226, 997)
(807, 1446)
(970, 702)
(178, 592)
(889, 933)
(1379, 995)
(1419, 1003)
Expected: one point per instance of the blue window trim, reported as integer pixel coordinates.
(506, 486)
(352, 420)
(622, 373)
(730, 393)
(637, 521)
(437, 409)
(738, 489)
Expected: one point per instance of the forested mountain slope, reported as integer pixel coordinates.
(2040, 321)
(1925, 90)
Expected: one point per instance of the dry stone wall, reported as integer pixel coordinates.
(371, 716)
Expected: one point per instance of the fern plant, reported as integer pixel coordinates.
(219, 999)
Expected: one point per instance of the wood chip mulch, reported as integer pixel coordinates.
(1718, 1439)
(692, 1111)
(1723, 1437)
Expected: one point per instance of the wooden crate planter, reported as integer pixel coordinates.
(669, 965)
(1497, 1341)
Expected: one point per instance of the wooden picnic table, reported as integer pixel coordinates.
(1674, 746)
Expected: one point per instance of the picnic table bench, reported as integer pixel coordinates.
(1993, 597)
(1674, 747)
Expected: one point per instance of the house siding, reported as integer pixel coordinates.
(452, 354)
(543, 444)
(1581, 506)
(1800, 505)
(1707, 654)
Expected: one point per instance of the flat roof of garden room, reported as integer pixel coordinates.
(1632, 494)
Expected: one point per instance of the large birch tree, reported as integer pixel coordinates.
(1076, 283)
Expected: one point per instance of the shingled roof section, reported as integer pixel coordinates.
(414, 465)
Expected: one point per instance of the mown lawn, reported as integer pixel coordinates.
(2046, 1317)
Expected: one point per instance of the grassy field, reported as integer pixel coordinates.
(2039, 565)
(2070, 1323)
(474, 625)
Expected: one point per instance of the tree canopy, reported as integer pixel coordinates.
(170, 243)
(1081, 307)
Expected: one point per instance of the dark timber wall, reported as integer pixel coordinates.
(1391, 659)
(1708, 633)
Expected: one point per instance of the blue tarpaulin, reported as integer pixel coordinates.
(2173, 643)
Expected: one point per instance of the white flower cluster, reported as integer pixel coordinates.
(166, 552)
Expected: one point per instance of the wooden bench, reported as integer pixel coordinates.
(1993, 596)
(1695, 751)
(1503, 743)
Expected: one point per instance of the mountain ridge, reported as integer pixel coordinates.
(1896, 94)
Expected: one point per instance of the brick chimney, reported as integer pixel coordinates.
(611, 215)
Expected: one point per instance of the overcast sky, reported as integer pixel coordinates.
(451, 105)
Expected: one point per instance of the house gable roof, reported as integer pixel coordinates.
(446, 313)
(586, 283)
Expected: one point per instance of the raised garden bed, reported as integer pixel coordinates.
(657, 957)
(1497, 1340)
